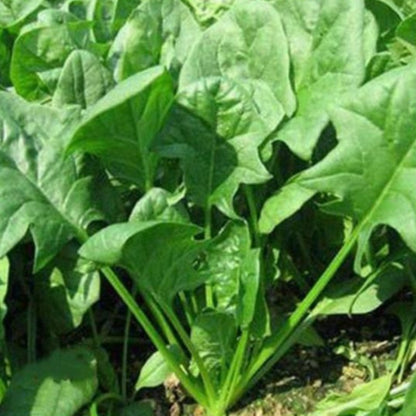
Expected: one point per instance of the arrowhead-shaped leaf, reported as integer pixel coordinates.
(41, 191)
(371, 171)
(216, 132)
(121, 126)
(158, 32)
(248, 45)
(327, 48)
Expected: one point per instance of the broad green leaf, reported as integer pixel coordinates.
(40, 53)
(406, 30)
(121, 126)
(158, 204)
(216, 132)
(327, 48)
(360, 296)
(42, 191)
(155, 370)
(365, 397)
(214, 334)
(15, 11)
(4, 285)
(83, 80)
(65, 291)
(248, 45)
(157, 32)
(57, 386)
(161, 256)
(370, 172)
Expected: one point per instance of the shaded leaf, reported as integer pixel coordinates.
(57, 386)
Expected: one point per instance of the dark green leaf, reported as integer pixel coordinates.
(15, 11)
(57, 386)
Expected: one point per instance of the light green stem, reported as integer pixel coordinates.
(188, 383)
(271, 351)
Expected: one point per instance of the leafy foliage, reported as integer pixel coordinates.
(216, 164)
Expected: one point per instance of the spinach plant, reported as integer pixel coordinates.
(188, 153)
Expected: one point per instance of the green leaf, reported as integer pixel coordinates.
(155, 370)
(161, 256)
(247, 45)
(158, 204)
(13, 12)
(121, 126)
(360, 296)
(157, 32)
(406, 30)
(216, 133)
(65, 291)
(4, 285)
(370, 172)
(137, 409)
(365, 397)
(57, 386)
(53, 197)
(40, 53)
(213, 334)
(83, 80)
(327, 48)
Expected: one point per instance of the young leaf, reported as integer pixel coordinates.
(371, 170)
(213, 335)
(216, 133)
(121, 126)
(155, 370)
(158, 32)
(248, 45)
(42, 191)
(83, 80)
(57, 386)
(13, 12)
(327, 47)
(40, 53)
(157, 205)
(161, 256)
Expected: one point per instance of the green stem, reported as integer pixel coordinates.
(209, 295)
(126, 349)
(209, 387)
(94, 330)
(271, 351)
(187, 308)
(253, 214)
(188, 383)
(235, 368)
